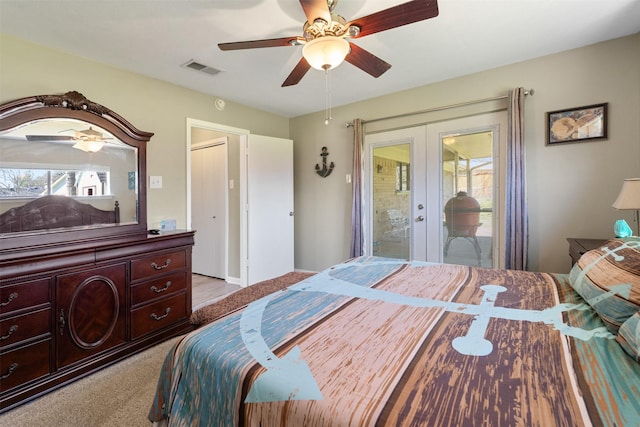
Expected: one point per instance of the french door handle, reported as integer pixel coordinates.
(420, 218)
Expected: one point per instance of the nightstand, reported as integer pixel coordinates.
(577, 247)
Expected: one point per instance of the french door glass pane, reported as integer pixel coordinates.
(391, 201)
(467, 191)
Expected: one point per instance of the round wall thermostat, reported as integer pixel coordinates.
(220, 104)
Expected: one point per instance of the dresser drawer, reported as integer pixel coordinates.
(157, 264)
(24, 364)
(23, 295)
(16, 329)
(157, 315)
(163, 286)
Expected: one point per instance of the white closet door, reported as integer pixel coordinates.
(269, 207)
(209, 207)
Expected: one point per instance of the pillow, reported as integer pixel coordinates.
(608, 278)
(629, 336)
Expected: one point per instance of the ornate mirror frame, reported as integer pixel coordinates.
(73, 105)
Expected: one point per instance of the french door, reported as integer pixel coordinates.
(433, 192)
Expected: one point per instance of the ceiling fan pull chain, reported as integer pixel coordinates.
(327, 91)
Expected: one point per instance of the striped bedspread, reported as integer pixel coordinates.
(385, 342)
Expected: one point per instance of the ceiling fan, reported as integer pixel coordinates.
(89, 140)
(325, 36)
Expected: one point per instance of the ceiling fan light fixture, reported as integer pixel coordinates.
(89, 145)
(89, 140)
(325, 53)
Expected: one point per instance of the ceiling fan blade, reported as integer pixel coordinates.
(255, 44)
(298, 73)
(366, 61)
(49, 138)
(314, 9)
(396, 16)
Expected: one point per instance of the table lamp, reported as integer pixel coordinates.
(629, 198)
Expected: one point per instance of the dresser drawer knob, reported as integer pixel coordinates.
(12, 368)
(12, 296)
(10, 332)
(156, 317)
(160, 290)
(161, 267)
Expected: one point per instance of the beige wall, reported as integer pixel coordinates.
(570, 187)
(28, 69)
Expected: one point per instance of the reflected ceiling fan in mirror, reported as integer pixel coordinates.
(325, 34)
(89, 140)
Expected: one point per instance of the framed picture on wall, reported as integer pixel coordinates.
(580, 124)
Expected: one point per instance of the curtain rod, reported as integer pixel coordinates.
(445, 107)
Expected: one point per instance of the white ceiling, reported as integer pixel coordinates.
(156, 37)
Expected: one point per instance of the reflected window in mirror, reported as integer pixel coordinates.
(72, 158)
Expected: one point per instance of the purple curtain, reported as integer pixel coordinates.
(517, 238)
(356, 194)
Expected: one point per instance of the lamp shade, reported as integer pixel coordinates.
(629, 197)
(325, 53)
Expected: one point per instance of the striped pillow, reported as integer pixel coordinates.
(608, 278)
(629, 336)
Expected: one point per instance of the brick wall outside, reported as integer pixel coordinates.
(386, 198)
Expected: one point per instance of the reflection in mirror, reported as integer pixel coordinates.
(70, 158)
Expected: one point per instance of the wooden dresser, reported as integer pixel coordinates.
(82, 284)
(69, 311)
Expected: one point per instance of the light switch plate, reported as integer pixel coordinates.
(155, 182)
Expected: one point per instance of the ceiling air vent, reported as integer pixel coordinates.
(197, 66)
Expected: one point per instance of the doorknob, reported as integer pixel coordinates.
(420, 218)
(420, 206)
(291, 213)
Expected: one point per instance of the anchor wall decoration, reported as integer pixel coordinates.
(325, 171)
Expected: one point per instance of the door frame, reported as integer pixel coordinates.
(194, 123)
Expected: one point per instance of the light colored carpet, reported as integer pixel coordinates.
(118, 396)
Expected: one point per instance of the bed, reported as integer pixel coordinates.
(376, 341)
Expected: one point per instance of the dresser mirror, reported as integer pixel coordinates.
(69, 168)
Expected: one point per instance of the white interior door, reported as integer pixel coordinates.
(209, 207)
(268, 214)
